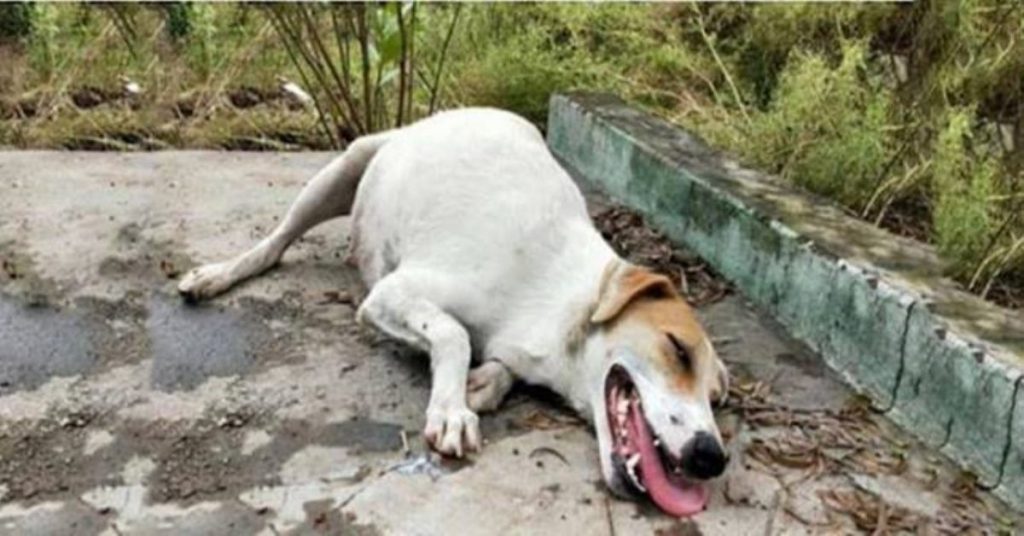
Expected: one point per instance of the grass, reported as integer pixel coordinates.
(186, 80)
(909, 116)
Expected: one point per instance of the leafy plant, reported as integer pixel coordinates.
(179, 23)
(15, 21)
(963, 185)
(360, 61)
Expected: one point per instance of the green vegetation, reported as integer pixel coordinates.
(908, 115)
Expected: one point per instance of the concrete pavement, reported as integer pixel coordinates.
(268, 411)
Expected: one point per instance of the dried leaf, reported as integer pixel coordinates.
(540, 420)
(630, 237)
(870, 513)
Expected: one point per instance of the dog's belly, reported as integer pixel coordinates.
(471, 197)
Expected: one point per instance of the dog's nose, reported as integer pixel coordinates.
(703, 457)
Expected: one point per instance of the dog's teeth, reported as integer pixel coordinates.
(622, 407)
(657, 442)
(631, 465)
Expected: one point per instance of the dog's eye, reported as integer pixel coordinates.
(681, 352)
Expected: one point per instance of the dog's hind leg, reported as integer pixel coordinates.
(329, 194)
(397, 306)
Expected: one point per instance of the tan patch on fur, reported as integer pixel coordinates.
(624, 284)
(649, 308)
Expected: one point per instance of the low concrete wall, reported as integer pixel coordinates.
(942, 363)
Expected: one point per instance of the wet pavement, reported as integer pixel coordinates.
(124, 410)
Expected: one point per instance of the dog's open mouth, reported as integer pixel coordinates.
(638, 456)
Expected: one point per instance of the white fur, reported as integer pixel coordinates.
(473, 241)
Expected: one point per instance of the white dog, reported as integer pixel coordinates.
(475, 243)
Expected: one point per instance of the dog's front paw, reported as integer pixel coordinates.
(206, 281)
(452, 430)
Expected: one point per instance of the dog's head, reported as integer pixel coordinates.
(653, 376)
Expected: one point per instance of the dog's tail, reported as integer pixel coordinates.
(332, 191)
(339, 181)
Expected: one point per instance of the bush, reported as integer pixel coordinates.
(881, 107)
(838, 123)
(515, 56)
(15, 21)
(963, 185)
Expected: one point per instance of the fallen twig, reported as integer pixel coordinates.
(548, 450)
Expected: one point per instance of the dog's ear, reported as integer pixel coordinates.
(720, 391)
(625, 284)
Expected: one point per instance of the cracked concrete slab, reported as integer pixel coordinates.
(269, 411)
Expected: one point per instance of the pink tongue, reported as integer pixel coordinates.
(677, 497)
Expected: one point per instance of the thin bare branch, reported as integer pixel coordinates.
(276, 20)
(402, 59)
(363, 36)
(342, 44)
(315, 66)
(352, 116)
(718, 61)
(410, 68)
(435, 88)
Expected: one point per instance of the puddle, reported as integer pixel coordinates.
(187, 344)
(191, 343)
(364, 435)
(38, 342)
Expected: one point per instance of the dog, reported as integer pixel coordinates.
(475, 246)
